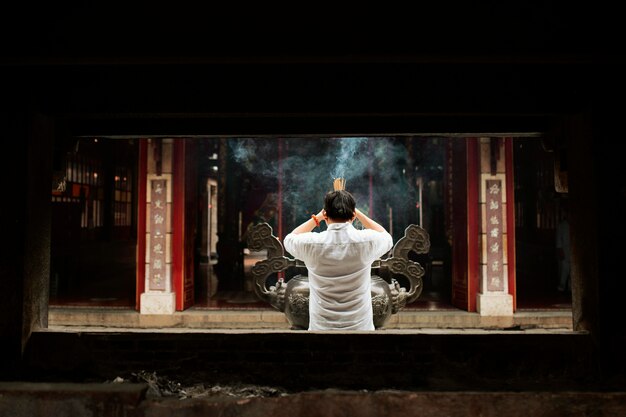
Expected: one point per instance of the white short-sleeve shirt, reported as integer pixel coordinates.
(339, 262)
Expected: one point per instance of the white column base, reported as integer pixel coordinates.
(498, 304)
(158, 303)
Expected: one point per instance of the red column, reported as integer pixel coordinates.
(510, 217)
(178, 219)
(140, 258)
(473, 221)
(279, 203)
(464, 220)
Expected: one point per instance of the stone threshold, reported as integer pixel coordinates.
(99, 317)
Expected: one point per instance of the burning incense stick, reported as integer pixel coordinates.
(339, 184)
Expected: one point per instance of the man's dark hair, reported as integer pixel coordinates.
(339, 205)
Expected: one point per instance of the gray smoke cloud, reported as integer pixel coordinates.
(373, 165)
(349, 162)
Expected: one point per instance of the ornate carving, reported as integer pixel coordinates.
(276, 295)
(412, 270)
(415, 239)
(398, 296)
(299, 305)
(380, 303)
(261, 237)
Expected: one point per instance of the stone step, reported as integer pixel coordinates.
(271, 319)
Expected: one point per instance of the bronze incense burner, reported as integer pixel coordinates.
(291, 295)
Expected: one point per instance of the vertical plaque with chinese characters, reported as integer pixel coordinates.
(158, 224)
(495, 258)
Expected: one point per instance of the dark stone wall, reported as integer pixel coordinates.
(37, 233)
(296, 361)
(13, 127)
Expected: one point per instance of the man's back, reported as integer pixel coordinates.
(339, 262)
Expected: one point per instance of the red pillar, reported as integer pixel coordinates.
(510, 218)
(279, 203)
(141, 222)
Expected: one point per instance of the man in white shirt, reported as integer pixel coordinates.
(339, 263)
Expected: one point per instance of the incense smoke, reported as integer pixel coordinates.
(371, 166)
(349, 161)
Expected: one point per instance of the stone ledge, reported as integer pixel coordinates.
(270, 319)
(21, 399)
